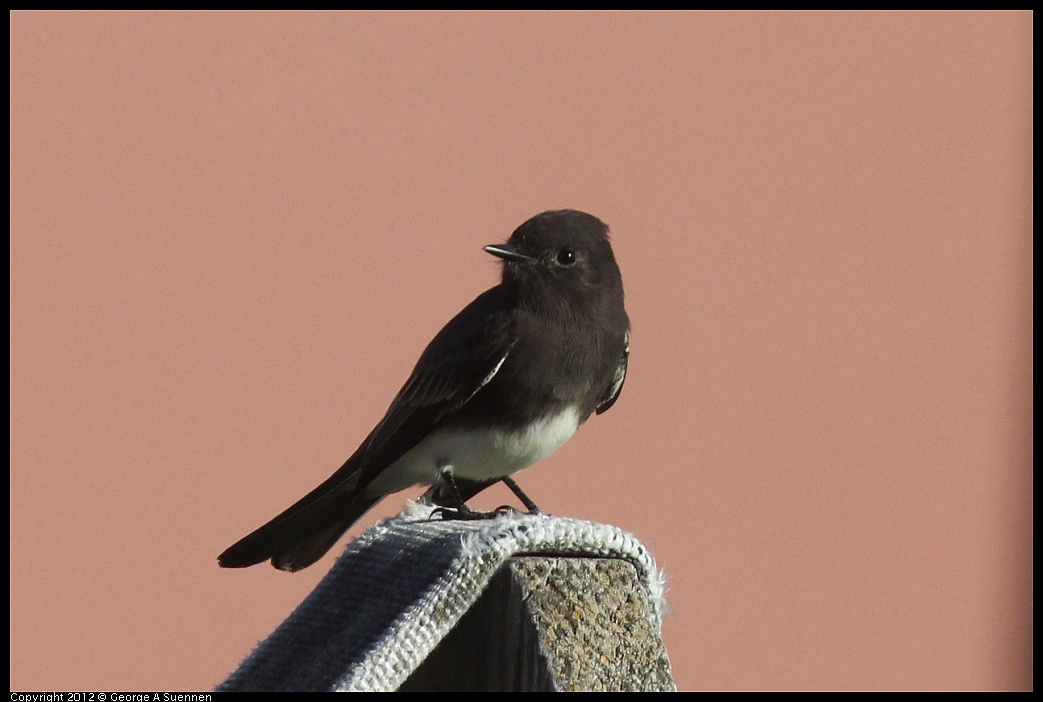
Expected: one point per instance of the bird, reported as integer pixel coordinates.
(504, 384)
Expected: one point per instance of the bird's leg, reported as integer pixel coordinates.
(460, 510)
(445, 474)
(525, 500)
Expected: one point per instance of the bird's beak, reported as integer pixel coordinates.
(508, 253)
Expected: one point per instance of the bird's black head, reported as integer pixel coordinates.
(560, 251)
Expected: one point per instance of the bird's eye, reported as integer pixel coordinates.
(565, 257)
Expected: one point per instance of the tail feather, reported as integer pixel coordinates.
(296, 540)
(304, 533)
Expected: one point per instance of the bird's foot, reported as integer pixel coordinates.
(468, 514)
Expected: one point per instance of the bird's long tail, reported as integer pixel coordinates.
(304, 533)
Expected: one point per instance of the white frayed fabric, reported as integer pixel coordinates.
(400, 588)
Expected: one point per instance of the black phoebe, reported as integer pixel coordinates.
(505, 383)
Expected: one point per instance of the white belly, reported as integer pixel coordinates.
(477, 455)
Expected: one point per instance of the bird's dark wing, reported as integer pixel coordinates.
(616, 386)
(458, 362)
(461, 359)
